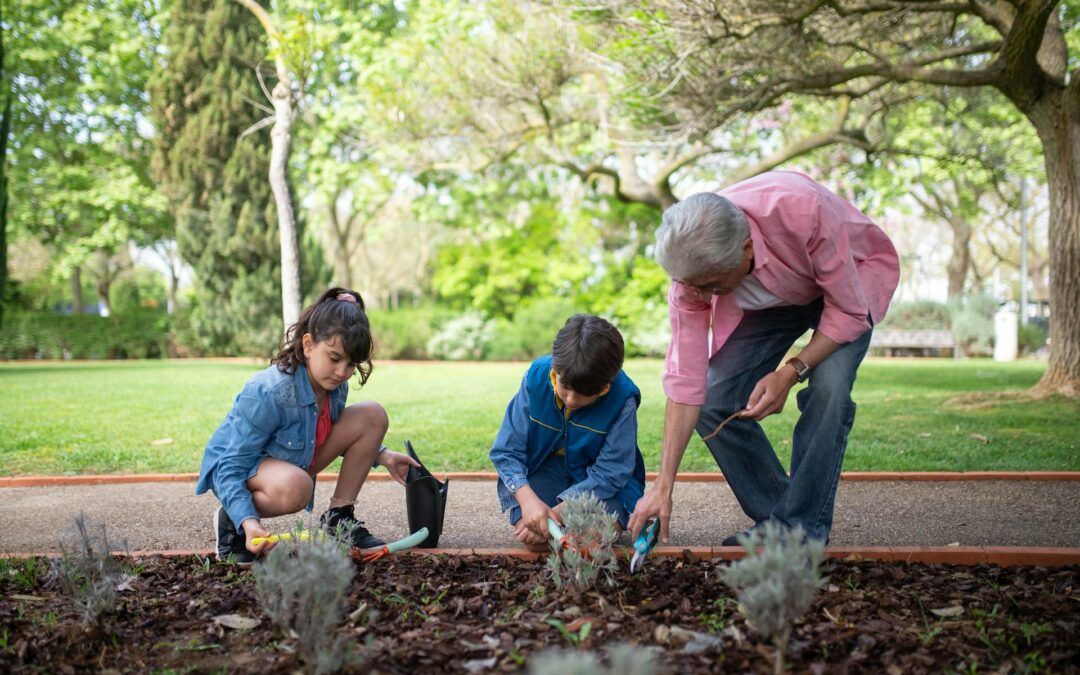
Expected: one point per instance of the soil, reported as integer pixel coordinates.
(468, 614)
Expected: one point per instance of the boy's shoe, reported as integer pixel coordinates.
(344, 517)
(228, 543)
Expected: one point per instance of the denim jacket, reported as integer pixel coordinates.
(616, 469)
(273, 416)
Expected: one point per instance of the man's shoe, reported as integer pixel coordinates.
(345, 518)
(228, 543)
(733, 540)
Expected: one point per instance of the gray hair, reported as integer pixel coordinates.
(701, 235)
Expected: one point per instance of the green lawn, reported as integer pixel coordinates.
(63, 418)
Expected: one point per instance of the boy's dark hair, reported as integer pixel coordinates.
(328, 317)
(587, 354)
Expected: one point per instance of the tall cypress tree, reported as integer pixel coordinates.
(202, 100)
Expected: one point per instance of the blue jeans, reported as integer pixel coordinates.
(549, 481)
(764, 490)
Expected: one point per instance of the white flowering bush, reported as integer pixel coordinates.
(462, 339)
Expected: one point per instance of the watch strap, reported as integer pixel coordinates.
(802, 371)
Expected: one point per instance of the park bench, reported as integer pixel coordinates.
(914, 342)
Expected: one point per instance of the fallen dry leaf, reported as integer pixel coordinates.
(948, 611)
(980, 438)
(236, 622)
(162, 441)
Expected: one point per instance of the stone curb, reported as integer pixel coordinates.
(705, 477)
(1003, 556)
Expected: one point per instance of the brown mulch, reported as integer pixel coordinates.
(468, 614)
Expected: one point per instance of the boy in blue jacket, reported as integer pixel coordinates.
(571, 428)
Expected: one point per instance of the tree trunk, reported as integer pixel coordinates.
(341, 265)
(170, 291)
(5, 128)
(1057, 119)
(76, 291)
(103, 295)
(960, 258)
(281, 141)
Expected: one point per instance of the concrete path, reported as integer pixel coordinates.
(156, 516)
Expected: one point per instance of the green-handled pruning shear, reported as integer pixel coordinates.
(408, 542)
(644, 544)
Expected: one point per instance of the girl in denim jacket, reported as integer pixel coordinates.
(290, 422)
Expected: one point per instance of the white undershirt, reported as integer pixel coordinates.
(752, 295)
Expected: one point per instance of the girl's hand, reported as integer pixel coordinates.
(397, 464)
(253, 528)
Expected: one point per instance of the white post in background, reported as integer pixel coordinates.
(1005, 335)
(1023, 255)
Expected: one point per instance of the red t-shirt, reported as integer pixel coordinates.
(322, 426)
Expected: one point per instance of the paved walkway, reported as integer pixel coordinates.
(155, 516)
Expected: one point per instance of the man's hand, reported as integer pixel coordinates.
(532, 528)
(397, 464)
(253, 528)
(770, 394)
(655, 503)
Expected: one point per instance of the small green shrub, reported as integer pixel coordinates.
(973, 324)
(301, 585)
(591, 533)
(532, 330)
(918, 315)
(623, 659)
(1032, 337)
(87, 573)
(776, 581)
(404, 333)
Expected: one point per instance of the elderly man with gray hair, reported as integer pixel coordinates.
(753, 268)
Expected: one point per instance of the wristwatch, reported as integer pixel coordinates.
(802, 371)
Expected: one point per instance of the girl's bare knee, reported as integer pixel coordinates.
(372, 415)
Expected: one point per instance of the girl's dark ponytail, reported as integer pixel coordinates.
(338, 312)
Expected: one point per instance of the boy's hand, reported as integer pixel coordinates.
(397, 464)
(253, 528)
(534, 517)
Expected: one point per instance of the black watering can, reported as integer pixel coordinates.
(425, 500)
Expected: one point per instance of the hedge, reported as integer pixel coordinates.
(139, 334)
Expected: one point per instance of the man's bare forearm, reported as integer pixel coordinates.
(817, 350)
(679, 422)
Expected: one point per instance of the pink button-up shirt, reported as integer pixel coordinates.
(808, 243)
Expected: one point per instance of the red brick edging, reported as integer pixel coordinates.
(1005, 556)
(689, 477)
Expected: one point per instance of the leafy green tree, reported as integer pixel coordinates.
(5, 127)
(749, 55)
(204, 96)
(76, 151)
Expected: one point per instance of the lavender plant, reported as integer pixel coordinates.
(590, 533)
(776, 581)
(623, 659)
(302, 587)
(87, 572)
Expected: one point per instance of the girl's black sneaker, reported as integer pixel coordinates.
(229, 544)
(345, 518)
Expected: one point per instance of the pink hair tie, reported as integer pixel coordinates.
(347, 297)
